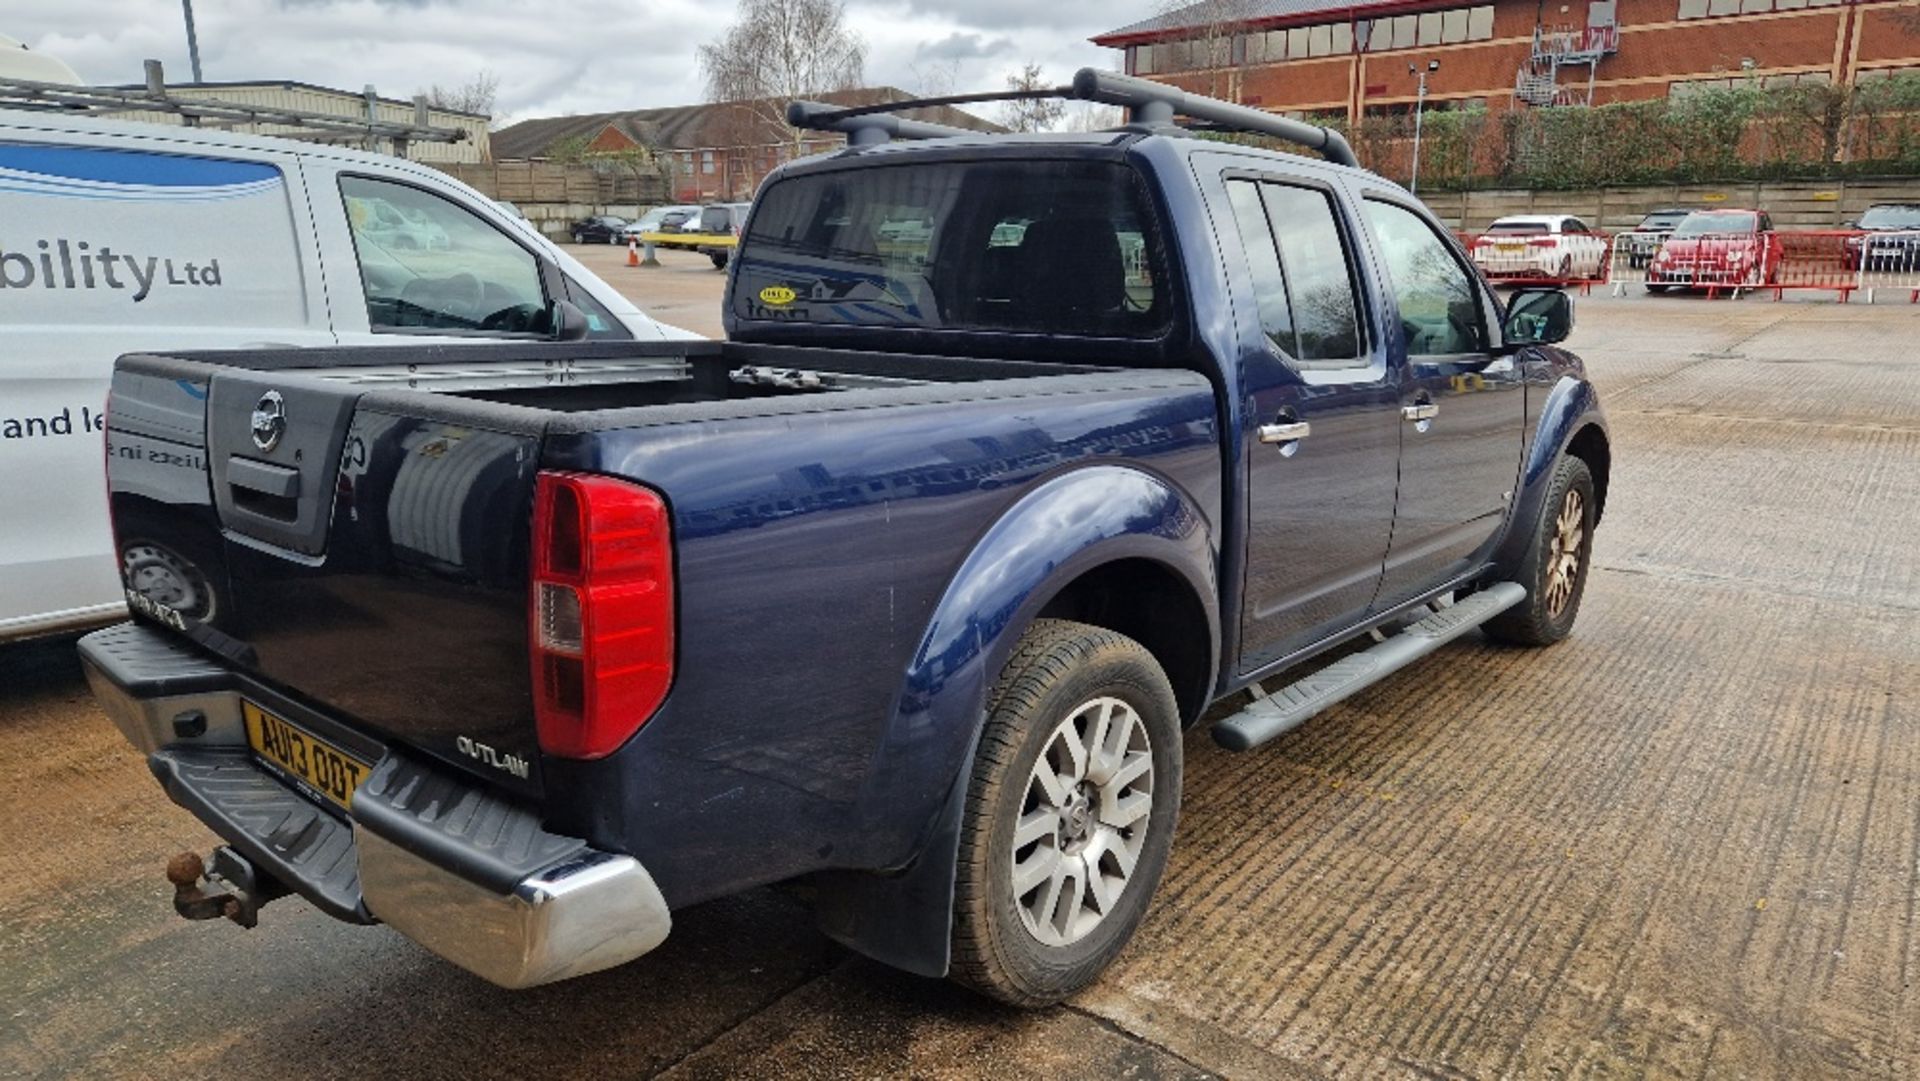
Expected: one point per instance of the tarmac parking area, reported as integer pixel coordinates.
(1685, 843)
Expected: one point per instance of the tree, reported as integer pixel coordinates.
(1030, 114)
(1213, 33)
(776, 51)
(474, 96)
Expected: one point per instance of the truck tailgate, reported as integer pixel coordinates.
(364, 552)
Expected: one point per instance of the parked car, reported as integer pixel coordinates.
(599, 229)
(1717, 248)
(1637, 245)
(1892, 240)
(652, 221)
(1550, 247)
(190, 237)
(718, 229)
(679, 220)
(905, 591)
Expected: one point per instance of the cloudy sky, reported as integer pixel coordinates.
(572, 56)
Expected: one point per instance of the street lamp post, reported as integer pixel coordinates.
(1419, 107)
(193, 41)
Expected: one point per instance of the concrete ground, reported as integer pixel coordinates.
(1681, 844)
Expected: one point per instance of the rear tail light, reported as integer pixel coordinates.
(602, 611)
(1543, 242)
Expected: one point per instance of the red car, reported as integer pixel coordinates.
(1717, 248)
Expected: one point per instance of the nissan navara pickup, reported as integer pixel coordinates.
(1022, 452)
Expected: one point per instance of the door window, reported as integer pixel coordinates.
(1440, 313)
(1302, 276)
(428, 263)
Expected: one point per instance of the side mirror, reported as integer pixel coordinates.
(569, 322)
(1538, 317)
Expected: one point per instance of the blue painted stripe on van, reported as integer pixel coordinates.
(132, 167)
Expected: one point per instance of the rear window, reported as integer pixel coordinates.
(1888, 216)
(1661, 222)
(1065, 247)
(1518, 228)
(1728, 223)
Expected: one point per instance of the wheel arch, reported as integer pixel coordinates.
(1590, 445)
(1101, 544)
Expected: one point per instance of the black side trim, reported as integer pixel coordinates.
(283, 834)
(448, 822)
(149, 664)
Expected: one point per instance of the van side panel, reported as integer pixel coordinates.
(110, 244)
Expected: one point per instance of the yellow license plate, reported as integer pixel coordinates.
(1508, 247)
(312, 765)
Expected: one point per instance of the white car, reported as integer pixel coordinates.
(119, 237)
(1540, 247)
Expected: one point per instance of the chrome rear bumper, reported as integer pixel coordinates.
(577, 910)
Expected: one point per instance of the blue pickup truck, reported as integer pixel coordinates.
(1022, 453)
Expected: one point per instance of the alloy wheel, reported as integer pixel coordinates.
(1563, 553)
(1083, 821)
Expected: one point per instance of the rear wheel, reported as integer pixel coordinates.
(719, 259)
(1554, 569)
(1070, 814)
(1655, 288)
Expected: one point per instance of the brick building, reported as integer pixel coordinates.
(717, 151)
(1325, 59)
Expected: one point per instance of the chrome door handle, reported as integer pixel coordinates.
(1285, 432)
(1422, 411)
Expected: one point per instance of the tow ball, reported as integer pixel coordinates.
(232, 889)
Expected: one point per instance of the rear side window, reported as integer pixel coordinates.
(1061, 247)
(1302, 276)
(428, 263)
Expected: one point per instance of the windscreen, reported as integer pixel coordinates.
(1715, 225)
(1064, 247)
(1891, 217)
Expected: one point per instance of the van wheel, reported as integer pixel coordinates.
(1070, 814)
(719, 259)
(1554, 569)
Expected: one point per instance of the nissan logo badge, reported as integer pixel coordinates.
(269, 421)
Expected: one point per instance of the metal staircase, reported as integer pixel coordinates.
(1537, 83)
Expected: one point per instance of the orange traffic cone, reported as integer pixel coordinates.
(633, 252)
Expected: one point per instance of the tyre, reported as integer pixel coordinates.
(719, 259)
(1070, 814)
(579, 239)
(1554, 569)
(1653, 288)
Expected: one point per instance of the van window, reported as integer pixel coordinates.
(1061, 247)
(429, 263)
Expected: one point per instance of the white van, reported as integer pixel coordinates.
(123, 237)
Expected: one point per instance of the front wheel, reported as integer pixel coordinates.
(1655, 288)
(1070, 814)
(1554, 569)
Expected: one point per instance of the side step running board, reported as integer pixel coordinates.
(1290, 706)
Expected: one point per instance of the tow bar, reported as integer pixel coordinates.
(232, 888)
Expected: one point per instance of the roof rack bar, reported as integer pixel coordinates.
(1151, 103)
(866, 127)
(152, 96)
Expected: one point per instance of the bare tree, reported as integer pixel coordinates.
(1087, 116)
(1212, 43)
(776, 51)
(1030, 114)
(473, 96)
(935, 78)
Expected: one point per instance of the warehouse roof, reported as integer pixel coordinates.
(691, 127)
